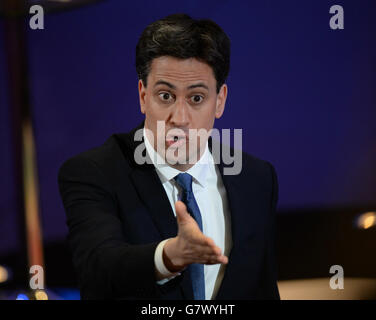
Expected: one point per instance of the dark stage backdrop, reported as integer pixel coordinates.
(304, 95)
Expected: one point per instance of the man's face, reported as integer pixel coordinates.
(181, 93)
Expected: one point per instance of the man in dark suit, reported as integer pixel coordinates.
(169, 227)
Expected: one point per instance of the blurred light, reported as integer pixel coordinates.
(366, 220)
(4, 274)
(40, 295)
(22, 296)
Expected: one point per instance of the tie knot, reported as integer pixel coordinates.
(184, 180)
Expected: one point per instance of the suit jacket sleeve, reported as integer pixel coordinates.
(106, 265)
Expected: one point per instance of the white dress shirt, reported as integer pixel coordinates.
(210, 195)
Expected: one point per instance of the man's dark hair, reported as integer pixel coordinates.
(180, 36)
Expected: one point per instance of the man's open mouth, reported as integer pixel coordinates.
(176, 139)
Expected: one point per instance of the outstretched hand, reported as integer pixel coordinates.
(190, 245)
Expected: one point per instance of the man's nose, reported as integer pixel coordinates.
(180, 114)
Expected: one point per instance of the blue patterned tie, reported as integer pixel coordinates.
(196, 270)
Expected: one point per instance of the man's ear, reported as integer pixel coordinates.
(221, 101)
(141, 95)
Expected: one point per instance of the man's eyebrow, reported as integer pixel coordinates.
(162, 82)
(193, 86)
(198, 85)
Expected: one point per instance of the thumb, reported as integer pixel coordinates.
(182, 214)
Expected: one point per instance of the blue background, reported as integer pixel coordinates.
(303, 94)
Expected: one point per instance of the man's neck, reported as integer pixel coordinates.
(186, 166)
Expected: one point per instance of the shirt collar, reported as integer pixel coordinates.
(198, 171)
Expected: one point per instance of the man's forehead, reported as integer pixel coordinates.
(187, 71)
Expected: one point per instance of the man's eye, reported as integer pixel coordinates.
(165, 96)
(197, 98)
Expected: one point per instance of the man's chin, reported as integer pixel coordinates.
(175, 160)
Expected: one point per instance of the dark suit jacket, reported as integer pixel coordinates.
(118, 212)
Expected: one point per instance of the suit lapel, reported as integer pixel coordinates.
(237, 195)
(154, 197)
(235, 191)
(235, 208)
(149, 187)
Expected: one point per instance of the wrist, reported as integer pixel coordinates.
(171, 257)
